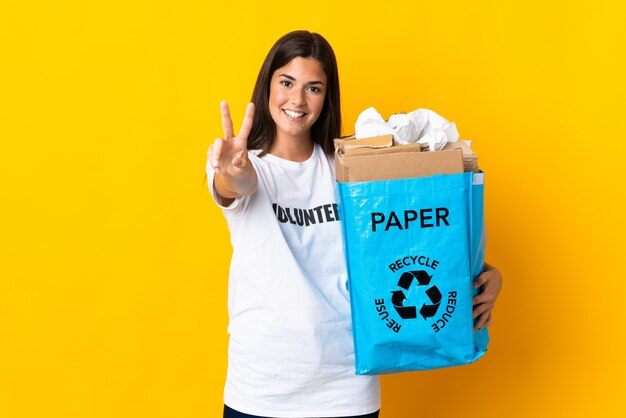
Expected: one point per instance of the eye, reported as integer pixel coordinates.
(285, 83)
(315, 90)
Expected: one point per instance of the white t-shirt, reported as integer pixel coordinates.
(291, 352)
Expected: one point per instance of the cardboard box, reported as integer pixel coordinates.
(369, 159)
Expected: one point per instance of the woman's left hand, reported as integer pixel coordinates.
(489, 283)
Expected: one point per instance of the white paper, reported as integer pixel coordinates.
(419, 126)
(370, 123)
(404, 130)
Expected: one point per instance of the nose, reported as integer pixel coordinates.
(297, 97)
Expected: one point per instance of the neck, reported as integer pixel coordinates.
(292, 149)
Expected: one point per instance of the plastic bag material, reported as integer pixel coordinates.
(413, 247)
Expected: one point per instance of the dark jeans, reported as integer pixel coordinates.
(231, 413)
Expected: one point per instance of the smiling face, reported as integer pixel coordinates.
(297, 93)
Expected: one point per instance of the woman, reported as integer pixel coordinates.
(290, 351)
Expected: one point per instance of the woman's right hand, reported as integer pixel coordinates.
(228, 156)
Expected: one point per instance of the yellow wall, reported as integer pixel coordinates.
(113, 259)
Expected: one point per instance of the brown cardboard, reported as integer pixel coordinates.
(470, 159)
(390, 150)
(396, 162)
(353, 145)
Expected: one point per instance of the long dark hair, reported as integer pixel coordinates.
(303, 44)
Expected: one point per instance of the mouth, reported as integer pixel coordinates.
(293, 115)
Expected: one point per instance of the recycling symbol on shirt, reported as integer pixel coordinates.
(398, 297)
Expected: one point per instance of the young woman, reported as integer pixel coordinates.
(290, 351)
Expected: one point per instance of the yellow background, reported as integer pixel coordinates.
(113, 258)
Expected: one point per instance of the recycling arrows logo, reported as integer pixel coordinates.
(398, 297)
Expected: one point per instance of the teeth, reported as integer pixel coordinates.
(293, 114)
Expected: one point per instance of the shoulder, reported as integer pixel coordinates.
(328, 158)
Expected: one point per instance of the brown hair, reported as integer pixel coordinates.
(303, 44)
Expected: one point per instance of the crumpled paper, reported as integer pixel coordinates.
(370, 123)
(421, 126)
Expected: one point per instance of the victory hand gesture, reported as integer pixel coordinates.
(228, 156)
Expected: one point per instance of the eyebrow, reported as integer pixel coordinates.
(293, 79)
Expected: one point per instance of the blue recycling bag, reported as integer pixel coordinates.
(413, 247)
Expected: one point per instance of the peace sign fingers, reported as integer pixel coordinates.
(246, 125)
(229, 157)
(227, 122)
